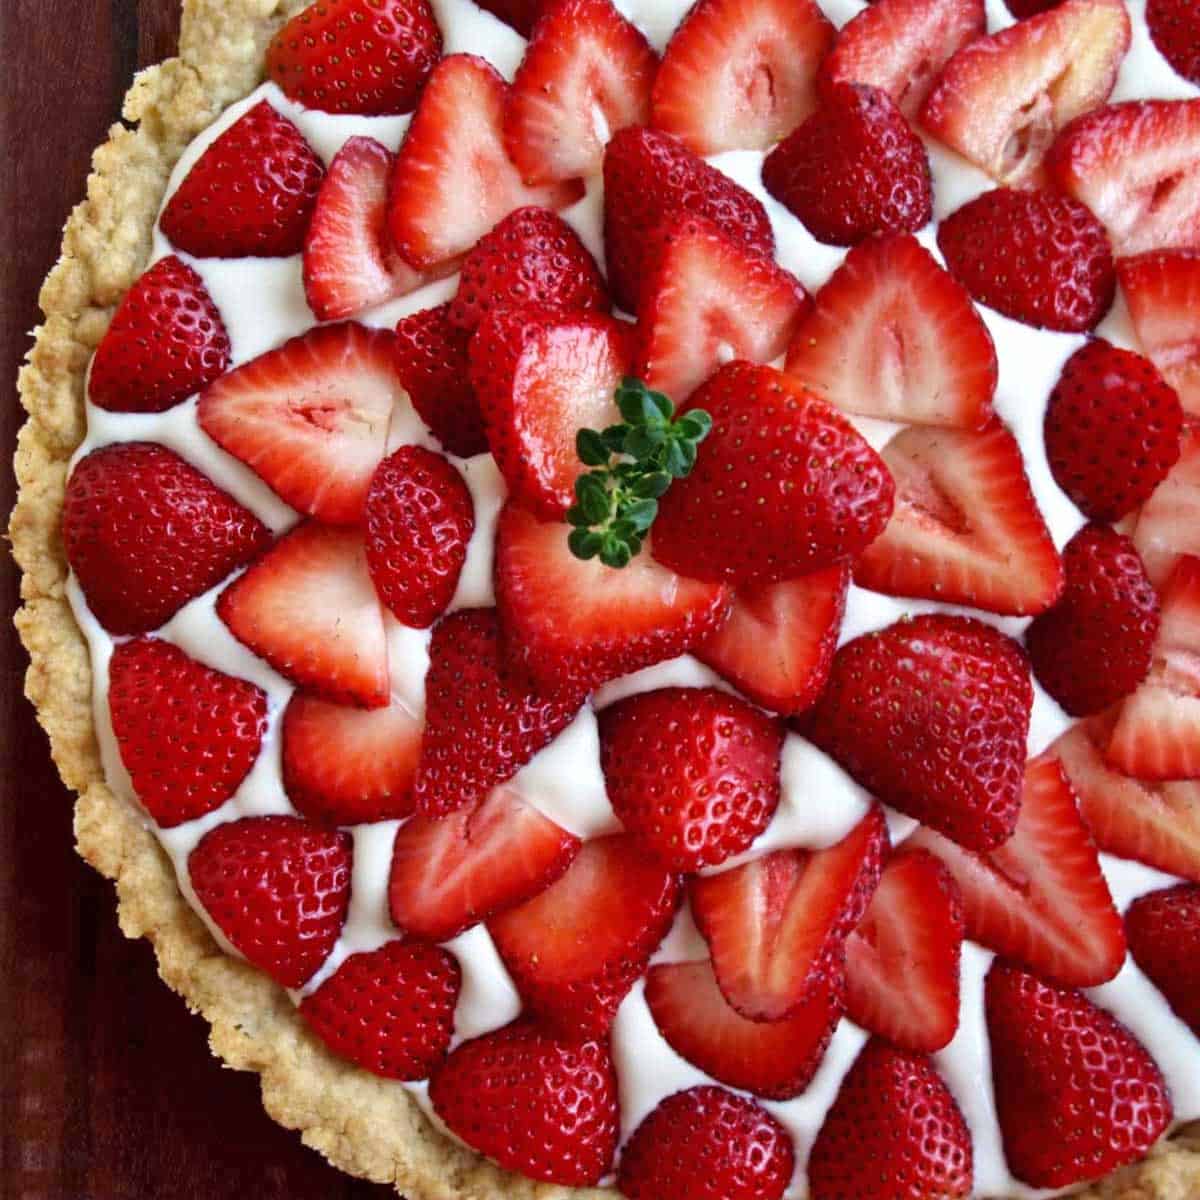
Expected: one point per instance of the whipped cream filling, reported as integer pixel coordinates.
(262, 304)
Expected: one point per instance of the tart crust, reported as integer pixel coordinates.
(364, 1125)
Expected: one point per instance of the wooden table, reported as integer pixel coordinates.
(107, 1087)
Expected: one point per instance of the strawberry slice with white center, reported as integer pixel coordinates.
(1040, 897)
(587, 72)
(891, 335)
(1001, 100)
(311, 417)
(902, 959)
(741, 74)
(1168, 525)
(453, 180)
(901, 46)
(966, 528)
(1137, 167)
(452, 872)
(777, 926)
(309, 608)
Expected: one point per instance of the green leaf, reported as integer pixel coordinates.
(585, 543)
(652, 486)
(641, 514)
(666, 409)
(616, 554)
(590, 447)
(594, 497)
(695, 425)
(614, 438)
(631, 403)
(675, 461)
(576, 516)
(652, 414)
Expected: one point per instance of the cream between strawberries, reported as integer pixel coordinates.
(262, 303)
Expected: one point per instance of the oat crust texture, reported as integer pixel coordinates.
(364, 1125)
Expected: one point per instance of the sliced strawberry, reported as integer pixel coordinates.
(1168, 525)
(706, 299)
(893, 336)
(777, 926)
(741, 74)
(1040, 898)
(1164, 939)
(166, 341)
(1001, 100)
(1137, 167)
(311, 417)
(453, 180)
(188, 735)
(587, 72)
(451, 873)
(901, 46)
(902, 959)
(308, 607)
(250, 194)
(1175, 27)
(575, 950)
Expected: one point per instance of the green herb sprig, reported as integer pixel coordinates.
(635, 463)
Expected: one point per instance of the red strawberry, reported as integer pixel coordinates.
(775, 1059)
(574, 625)
(854, 168)
(1175, 27)
(1076, 1093)
(1169, 524)
(1040, 897)
(522, 15)
(693, 772)
(587, 72)
(931, 715)
(707, 1144)
(532, 257)
(1001, 99)
(536, 1104)
(431, 360)
(901, 46)
(705, 299)
(777, 926)
(418, 520)
(892, 335)
(1164, 939)
(740, 75)
(453, 180)
(784, 485)
(902, 959)
(542, 375)
(1093, 647)
(1027, 8)
(777, 644)
(188, 735)
(278, 888)
(895, 1132)
(389, 1011)
(1137, 167)
(650, 175)
(307, 606)
(145, 532)
(481, 728)
(311, 417)
(575, 950)
(166, 341)
(1037, 257)
(250, 194)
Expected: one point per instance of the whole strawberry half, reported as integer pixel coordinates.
(1164, 938)
(278, 888)
(783, 485)
(533, 1102)
(145, 532)
(1168, 525)
(1175, 27)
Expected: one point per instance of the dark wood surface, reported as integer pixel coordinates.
(107, 1088)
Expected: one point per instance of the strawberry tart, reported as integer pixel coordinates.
(619, 582)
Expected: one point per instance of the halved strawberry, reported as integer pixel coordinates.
(587, 72)
(966, 528)
(1164, 938)
(308, 607)
(773, 1059)
(311, 417)
(575, 950)
(452, 872)
(893, 336)
(741, 74)
(1040, 897)
(453, 180)
(901, 46)
(902, 958)
(1168, 525)
(777, 926)
(1137, 167)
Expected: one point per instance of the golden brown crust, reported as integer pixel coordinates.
(362, 1124)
